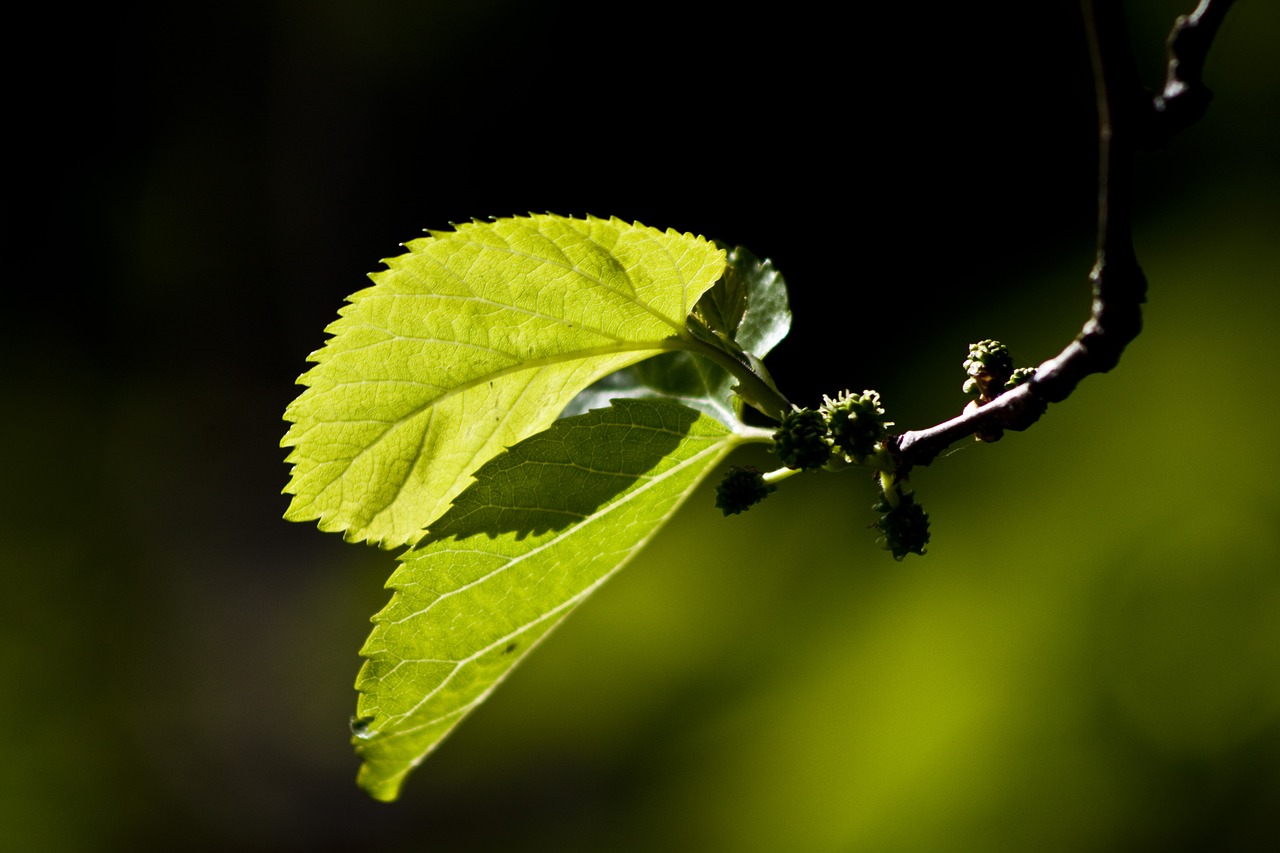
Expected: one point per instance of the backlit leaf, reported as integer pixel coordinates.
(544, 524)
(472, 341)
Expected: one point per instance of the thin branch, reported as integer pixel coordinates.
(1126, 115)
(1185, 97)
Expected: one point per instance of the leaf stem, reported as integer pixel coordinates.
(777, 476)
(752, 387)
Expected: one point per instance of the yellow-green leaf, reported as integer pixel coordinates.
(542, 527)
(472, 341)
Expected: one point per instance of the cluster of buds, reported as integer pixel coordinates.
(990, 371)
(849, 427)
(989, 366)
(1021, 376)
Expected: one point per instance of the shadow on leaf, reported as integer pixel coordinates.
(566, 473)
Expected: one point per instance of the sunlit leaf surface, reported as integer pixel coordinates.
(472, 341)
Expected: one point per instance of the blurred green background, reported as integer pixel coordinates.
(1087, 659)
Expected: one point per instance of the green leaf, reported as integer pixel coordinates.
(767, 317)
(722, 309)
(745, 315)
(543, 525)
(474, 340)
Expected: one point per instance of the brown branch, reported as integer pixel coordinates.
(1185, 97)
(1127, 115)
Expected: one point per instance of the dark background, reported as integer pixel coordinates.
(1088, 658)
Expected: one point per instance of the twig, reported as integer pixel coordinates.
(1127, 117)
(1185, 97)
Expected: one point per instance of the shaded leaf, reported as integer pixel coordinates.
(767, 316)
(722, 308)
(544, 524)
(473, 340)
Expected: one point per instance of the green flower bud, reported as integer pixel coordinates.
(741, 488)
(855, 423)
(1021, 376)
(801, 440)
(904, 528)
(989, 366)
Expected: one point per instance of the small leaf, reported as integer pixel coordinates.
(748, 305)
(476, 339)
(543, 525)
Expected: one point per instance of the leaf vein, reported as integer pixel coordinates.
(678, 325)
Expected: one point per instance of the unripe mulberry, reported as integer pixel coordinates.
(855, 423)
(801, 440)
(741, 488)
(904, 528)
